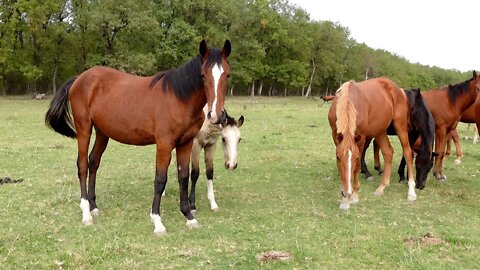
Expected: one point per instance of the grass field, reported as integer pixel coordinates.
(284, 196)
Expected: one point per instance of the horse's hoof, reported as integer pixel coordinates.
(370, 178)
(354, 200)
(378, 193)
(412, 197)
(215, 209)
(344, 206)
(457, 161)
(95, 212)
(402, 181)
(160, 232)
(193, 224)
(194, 212)
(87, 222)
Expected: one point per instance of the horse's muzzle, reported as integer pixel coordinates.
(216, 119)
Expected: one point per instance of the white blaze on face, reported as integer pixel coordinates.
(217, 72)
(231, 135)
(349, 174)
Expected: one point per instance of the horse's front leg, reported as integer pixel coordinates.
(183, 159)
(387, 151)
(162, 162)
(209, 155)
(440, 142)
(364, 169)
(195, 173)
(458, 148)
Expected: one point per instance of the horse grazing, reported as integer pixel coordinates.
(362, 111)
(206, 139)
(327, 98)
(164, 109)
(447, 104)
(421, 126)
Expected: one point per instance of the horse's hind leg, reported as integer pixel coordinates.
(376, 158)
(364, 169)
(387, 151)
(84, 130)
(458, 148)
(209, 155)
(195, 173)
(101, 141)
(440, 141)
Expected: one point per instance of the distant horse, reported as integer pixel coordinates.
(165, 109)
(447, 104)
(327, 98)
(421, 125)
(470, 116)
(206, 139)
(362, 111)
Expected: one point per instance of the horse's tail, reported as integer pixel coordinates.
(58, 116)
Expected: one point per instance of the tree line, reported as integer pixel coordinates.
(277, 48)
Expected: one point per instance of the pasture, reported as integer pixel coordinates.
(284, 196)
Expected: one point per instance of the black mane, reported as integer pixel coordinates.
(184, 80)
(457, 90)
(422, 123)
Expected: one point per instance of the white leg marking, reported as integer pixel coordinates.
(211, 196)
(157, 222)
(411, 190)
(193, 224)
(95, 212)
(87, 219)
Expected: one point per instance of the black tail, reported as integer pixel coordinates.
(58, 116)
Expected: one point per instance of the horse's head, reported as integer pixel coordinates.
(475, 82)
(423, 165)
(215, 72)
(231, 137)
(348, 156)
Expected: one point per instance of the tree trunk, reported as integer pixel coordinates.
(252, 92)
(285, 92)
(231, 91)
(260, 88)
(309, 89)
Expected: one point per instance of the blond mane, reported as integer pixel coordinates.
(345, 112)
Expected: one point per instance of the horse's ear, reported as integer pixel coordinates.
(339, 137)
(240, 121)
(203, 49)
(227, 48)
(357, 138)
(474, 74)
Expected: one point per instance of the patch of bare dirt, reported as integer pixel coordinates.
(427, 239)
(273, 256)
(8, 180)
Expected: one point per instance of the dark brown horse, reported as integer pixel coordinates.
(165, 109)
(362, 111)
(327, 98)
(447, 104)
(421, 128)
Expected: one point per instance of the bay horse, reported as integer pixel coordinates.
(362, 111)
(421, 128)
(447, 104)
(327, 98)
(206, 139)
(164, 109)
(469, 116)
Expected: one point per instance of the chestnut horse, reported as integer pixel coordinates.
(447, 104)
(362, 111)
(422, 128)
(164, 109)
(206, 139)
(327, 98)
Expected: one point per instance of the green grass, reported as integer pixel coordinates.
(283, 196)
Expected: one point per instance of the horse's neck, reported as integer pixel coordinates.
(464, 102)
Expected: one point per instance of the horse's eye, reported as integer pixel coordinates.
(228, 76)
(223, 139)
(203, 76)
(338, 158)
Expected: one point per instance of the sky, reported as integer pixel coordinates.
(442, 33)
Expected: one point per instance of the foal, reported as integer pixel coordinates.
(207, 140)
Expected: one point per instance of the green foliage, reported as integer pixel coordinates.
(275, 44)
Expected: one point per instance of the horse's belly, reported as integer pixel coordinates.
(133, 136)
